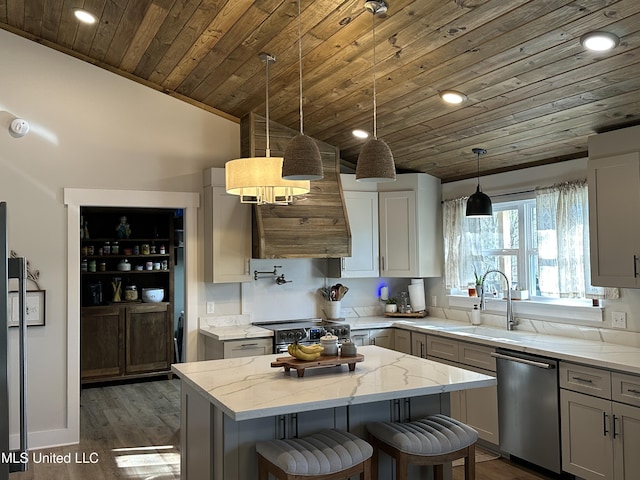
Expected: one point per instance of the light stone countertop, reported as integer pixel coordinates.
(589, 352)
(235, 332)
(246, 388)
(592, 352)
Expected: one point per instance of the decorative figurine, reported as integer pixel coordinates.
(123, 230)
(86, 230)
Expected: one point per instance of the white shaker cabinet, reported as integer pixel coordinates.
(614, 201)
(477, 407)
(410, 226)
(600, 418)
(227, 232)
(361, 201)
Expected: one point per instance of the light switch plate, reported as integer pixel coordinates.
(619, 319)
(210, 307)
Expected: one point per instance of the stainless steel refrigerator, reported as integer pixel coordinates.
(12, 460)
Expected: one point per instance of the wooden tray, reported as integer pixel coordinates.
(300, 365)
(421, 314)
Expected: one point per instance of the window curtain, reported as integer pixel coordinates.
(462, 248)
(563, 242)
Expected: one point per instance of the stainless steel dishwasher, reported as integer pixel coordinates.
(528, 408)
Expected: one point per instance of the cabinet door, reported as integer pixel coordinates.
(480, 409)
(101, 353)
(148, 338)
(587, 447)
(402, 341)
(419, 344)
(362, 209)
(614, 198)
(383, 337)
(398, 234)
(227, 234)
(626, 441)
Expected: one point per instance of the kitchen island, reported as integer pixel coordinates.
(228, 405)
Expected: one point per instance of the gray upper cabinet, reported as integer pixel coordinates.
(614, 207)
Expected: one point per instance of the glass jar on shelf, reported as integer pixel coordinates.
(403, 301)
(130, 293)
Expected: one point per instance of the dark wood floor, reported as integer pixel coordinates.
(132, 430)
(500, 469)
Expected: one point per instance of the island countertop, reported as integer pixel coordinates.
(248, 388)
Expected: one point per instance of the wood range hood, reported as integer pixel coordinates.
(315, 225)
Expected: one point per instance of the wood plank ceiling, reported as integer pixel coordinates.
(534, 94)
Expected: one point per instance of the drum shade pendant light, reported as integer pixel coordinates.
(259, 179)
(479, 204)
(375, 162)
(302, 160)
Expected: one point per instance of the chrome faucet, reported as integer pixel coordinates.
(511, 323)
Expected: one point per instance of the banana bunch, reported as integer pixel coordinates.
(305, 352)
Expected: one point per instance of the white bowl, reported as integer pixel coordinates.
(152, 295)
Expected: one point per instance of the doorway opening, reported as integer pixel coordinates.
(75, 199)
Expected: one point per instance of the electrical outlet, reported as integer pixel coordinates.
(619, 319)
(210, 307)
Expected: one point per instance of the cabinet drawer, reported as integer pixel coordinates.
(444, 348)
(625, 388)
(247, 347)
(592, 381)
(477, 356)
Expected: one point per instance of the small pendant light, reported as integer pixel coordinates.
(479, 204)
(302, 160)
(259, 179)
(375, 162)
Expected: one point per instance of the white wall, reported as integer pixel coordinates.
(528, 179)
(89, 129)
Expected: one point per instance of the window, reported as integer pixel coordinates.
(541, 244)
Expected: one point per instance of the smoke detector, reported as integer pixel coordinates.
(19, 127)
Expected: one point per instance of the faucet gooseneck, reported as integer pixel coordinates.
(510, 320)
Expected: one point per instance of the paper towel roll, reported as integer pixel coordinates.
(416, 296)
(417, 281)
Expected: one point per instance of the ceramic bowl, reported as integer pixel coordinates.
(152, 295)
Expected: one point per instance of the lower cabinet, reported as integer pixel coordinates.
(382, 337)
(477, 407)
(127, 340)
(600, 437)
(402, 341)
(247, 347)
(419, 345)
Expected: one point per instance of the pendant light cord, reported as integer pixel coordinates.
(478, 187)
(375, 126)
(268, 149)
(300, 63)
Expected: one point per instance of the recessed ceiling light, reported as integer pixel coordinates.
(599, 41)
(452, 96)
(360, 133)
(84, 16)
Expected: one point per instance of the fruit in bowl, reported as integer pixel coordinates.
(152, 295)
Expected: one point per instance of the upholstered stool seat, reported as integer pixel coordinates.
(326, 455)
(434, 440)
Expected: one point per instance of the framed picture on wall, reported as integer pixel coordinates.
(35, 306)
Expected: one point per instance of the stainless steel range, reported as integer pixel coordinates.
(306, 331)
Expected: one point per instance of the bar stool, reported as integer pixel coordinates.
(326, 455)
(434, 440)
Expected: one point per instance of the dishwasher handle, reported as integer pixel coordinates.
(526, 361)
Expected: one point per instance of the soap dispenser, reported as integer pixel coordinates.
(475, 315)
